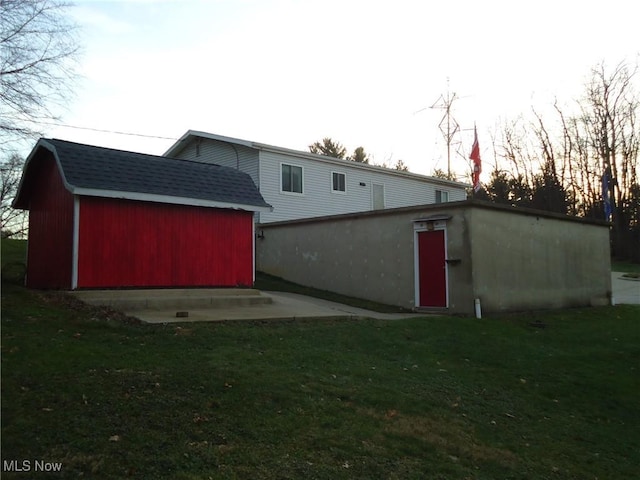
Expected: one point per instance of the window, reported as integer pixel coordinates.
(442, 196)
(338, 182)
(291, 178)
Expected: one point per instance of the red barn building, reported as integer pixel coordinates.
(104, 218)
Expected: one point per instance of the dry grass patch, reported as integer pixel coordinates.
(454, 439)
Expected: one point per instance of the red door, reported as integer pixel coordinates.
(432, 274)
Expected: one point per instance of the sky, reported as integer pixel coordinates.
(364, 73)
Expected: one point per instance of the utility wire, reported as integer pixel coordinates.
(107, 131)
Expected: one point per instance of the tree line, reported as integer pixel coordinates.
(582, 162)
(331, 148)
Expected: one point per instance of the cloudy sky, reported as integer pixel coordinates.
(290, 72)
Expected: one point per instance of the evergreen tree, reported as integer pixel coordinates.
(329, 148)
(359, 156)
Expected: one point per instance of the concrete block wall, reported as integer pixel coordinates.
(365, 256)
(509, 259)
(526, 261)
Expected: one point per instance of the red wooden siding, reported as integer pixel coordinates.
(126, 243)
(49, 255)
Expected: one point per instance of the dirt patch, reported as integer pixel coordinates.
(99, 313)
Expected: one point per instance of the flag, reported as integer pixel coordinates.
(477, 163)
(606, 201)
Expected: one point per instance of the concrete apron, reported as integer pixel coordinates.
(205, 305)
(625, 290)
(178, 298)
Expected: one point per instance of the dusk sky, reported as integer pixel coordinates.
(288, 73)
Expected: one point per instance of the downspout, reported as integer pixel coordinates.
(237, 156)
(253, 246)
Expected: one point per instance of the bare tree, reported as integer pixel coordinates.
(39, 49)
(13, 222)
(569, 148)
(549, 192)
(610, 111)
(563, 170)
(515, 148)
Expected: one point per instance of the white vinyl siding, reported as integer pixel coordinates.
(221, 153)
(319, 199)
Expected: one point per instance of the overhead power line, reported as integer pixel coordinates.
(114, 132)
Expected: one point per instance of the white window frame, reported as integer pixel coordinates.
(333, 190)
(286, 192)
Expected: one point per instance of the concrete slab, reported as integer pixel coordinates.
(206, 305)
(282, 306)
(625, 290)
(176, 299)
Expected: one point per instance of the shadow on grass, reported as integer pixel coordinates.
(268, 282)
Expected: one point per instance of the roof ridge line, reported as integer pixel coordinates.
(135, 153)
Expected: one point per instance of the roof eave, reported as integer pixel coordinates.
(150, 197)
(180, 143)
(176, 147)
(363, 166)
(42, 143)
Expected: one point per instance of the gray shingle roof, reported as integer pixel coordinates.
(88, 169)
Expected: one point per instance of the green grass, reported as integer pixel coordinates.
(13, 250)
(13, 254)
(439, 398)
(533, 396)
(627, 267)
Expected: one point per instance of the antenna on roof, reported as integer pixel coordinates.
(448, 125)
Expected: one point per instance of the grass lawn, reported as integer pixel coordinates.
(627, 267)
(438, 398)
(533, 396)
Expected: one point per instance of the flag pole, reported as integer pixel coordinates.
(477, 162)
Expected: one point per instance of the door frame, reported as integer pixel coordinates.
(429, 225)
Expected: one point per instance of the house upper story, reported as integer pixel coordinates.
(301, 184)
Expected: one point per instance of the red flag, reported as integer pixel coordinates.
(477, 163)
